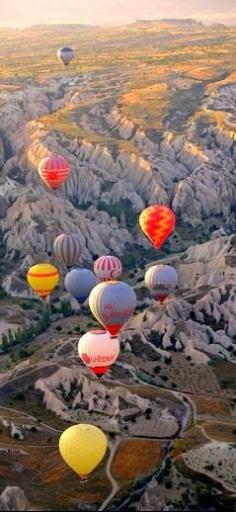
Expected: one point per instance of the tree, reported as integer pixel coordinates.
(66, 308)
(17, 338)
(10, 337)
(5, 344)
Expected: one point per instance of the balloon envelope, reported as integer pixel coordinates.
(107, 268)
(162, 280)
(65, 55)
(43, 278)
(68, 248)
(79, 282)
(83, 447)
(112, 303)
(54, 170)
(98, 350)
(157, 223)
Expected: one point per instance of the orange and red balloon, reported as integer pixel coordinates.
(157, 223)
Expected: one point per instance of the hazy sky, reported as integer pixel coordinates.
(27, 12)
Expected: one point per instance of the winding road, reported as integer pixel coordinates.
(112, 445)
(114, 485)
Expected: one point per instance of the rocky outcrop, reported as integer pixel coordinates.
(206, 264)
(200, 318)
(2, 153)
(152, 499)
(3, 207)
(16, 432)
(13, 498)
(34, 221)
(71, 384)
(201, 331)
(217, 461)
(182, 170)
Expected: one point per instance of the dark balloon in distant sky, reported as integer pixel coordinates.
(65, 55)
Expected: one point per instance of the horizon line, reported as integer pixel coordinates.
(106, 24)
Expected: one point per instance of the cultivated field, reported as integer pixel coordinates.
(135, 458)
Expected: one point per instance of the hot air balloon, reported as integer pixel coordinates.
(112, 303)
(83, 447)
(54, 170)
(65, 55)
(98, 351)
(161, 280)
(79, 282)
(157, 223)
(107, 268)
(68, 248)
(43, 278)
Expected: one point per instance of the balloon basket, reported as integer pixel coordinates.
(83, 480)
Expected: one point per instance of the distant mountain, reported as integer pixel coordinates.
(62, 27)
(173, 21)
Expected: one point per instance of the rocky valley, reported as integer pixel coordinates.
(148, 119)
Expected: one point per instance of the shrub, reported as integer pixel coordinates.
(209, 467)
(27, 305)
(19, 396)
(164, 378)
(66, 309)
(23, 352)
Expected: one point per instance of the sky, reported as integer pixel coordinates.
(23, 13)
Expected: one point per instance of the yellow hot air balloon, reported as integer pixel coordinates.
(43, 278)
(83, 447)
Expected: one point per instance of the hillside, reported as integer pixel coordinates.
(145, 114)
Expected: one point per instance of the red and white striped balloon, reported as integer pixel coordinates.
(54, 171)
(107, 268)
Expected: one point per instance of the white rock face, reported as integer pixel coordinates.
(95, 394)
(193, 172)
(216, 460)
(151, 499)
(16, 432)
(205, 327)
(13, 498)
(175, 329)
(33, 222)
(198, 182)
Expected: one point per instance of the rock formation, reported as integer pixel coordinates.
(151, 499)
(13, 498)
